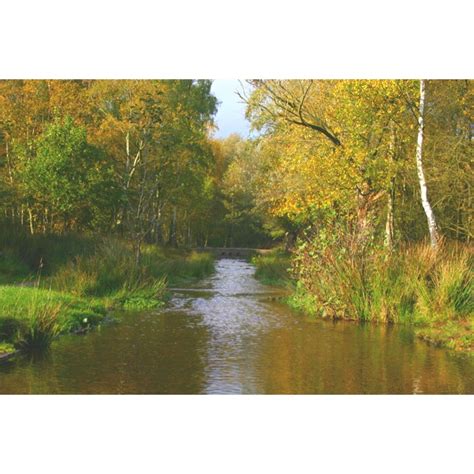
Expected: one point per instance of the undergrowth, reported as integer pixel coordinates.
(56, 284)
(431, 290)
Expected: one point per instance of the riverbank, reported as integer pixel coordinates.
(433, 293)
(62, 284)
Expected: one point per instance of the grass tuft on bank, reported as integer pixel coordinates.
(273, 268)
(31, 317)
(73, 288)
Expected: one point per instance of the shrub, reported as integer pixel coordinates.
(413, 285)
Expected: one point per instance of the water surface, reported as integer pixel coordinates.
(229, 334)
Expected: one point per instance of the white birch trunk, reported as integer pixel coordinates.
(390, 220)
(389, 223)
(30, 215)
(434, 237)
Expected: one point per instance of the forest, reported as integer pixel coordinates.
(361, 188)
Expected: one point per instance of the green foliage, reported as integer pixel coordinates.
(67, 176)
(6, 348)
(301, 300)
(146, 296)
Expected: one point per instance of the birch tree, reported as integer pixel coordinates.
(432, 227)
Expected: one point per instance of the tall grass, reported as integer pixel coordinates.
(273, 268)
(71, 281)
(414, 285)
(22, 254)
(444, 286)
(111, 271)
(31, 317)
(42, 328)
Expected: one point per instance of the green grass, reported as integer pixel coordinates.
(273, 268)
(31, 317)
(71, 287)
(6, 348)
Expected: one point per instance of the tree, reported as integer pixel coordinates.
(433, 229)
(67, 180)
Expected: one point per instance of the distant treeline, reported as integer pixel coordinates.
(132, 158)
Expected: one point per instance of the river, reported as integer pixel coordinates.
(230, 334)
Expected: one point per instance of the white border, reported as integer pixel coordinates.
(225, 40)
(236, 434)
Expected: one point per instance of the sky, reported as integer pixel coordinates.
(230, 117)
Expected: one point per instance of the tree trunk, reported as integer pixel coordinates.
(432, 227)
(158, 229)
(173, 239)
(389, 223)
(30, 216)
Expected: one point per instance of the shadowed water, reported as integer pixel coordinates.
(229, 335)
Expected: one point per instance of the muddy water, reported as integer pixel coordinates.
(229, 335)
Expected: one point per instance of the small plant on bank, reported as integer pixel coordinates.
(6, 348)
(43, 328)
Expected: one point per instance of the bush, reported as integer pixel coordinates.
(414, 285)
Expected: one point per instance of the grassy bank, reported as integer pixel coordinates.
(53, 285)
(273, 268)
(31, 317)
(433, 292)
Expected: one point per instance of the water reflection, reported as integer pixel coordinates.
(228, 335)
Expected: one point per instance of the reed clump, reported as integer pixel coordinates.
(273, 268)
(415, 285)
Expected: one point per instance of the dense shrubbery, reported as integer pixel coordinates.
(416, 285)
(433, 291)
(413, 284)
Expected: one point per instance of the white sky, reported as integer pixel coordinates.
(230, 117)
